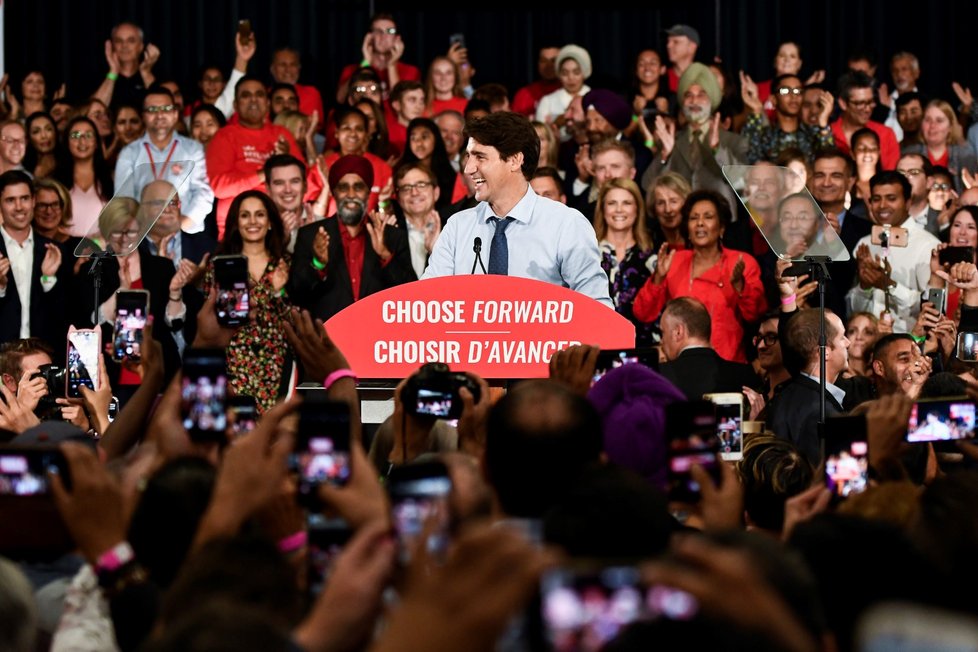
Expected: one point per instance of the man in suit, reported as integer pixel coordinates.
(693, 366)
(339, 261)
(793, 413)
(166, 238)
(700, 150)
(833, 175)
(30, 293)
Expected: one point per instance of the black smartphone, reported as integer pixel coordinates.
(691, 429)
(846, 455)
(24, 470)
(649, 114)
(420, 493)
(326, 539)
(952, 255)
(244, 29)
(457, 38)
(941, 420)
(231, 276)
(584, 606)
(242, 415)
(131, 308)
(322, 446)
(204, 394)
(609, 359)
(84, 348)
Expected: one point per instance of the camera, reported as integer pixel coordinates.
(433, 392)
(54, 376)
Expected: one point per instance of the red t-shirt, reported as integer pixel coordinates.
(405, 72)
(889, 147)
(235, 156)
(526, 99)
(453, 104)
(310, 100)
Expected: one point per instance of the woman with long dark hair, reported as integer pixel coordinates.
(42, 143)
(425, 145)
(85, 173)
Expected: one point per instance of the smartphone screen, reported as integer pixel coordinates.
(691, 428)
(419, 493)
(938, 297)
(968, 347)
(609, 359)
(204, 395)
(231, 275)
(730, 436)
(322, 447)
(846, 455)
(941, 420)
(83, 353)
(952, 255)
(242, 415)
(584, 609)
(326, 541)
(130, 320)
(434, 403)
(24, 472)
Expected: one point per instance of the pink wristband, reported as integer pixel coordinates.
(117, 557)
(788, 299)
(293, 542)
(336, 375)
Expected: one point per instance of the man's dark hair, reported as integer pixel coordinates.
(550, 173)
(511, 134)
(157, 89)
(402, 87)
(476, 104)
(943, 384)
(925, 163)
(12, 354)
(852, 80)
(835, 152)
(904, 99)
(282, 161)
(772, 470)
(495, 94)
(341, 113)
(883, 343)
(862, 54)
(278, 86)
(719, 202)
(14, 177)
(246, 78)
(211, 110)
(777, 81)
(401, 171)
(888, 177)
(941, 171)
(541, 437)
(693, 314)
(800, 345)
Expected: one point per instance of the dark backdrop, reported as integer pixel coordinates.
(65, 38)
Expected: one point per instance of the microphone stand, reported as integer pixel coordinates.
(477, 248)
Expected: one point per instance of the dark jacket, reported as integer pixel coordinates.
(47, 308)
(793, 414)
(702, 371)
(326, 295)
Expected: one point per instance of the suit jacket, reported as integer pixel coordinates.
(793, 413)
(324, 296)
(702, 371)
(843, 274)
(193, 246)
(47, 308)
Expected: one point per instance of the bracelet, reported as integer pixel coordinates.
(112, 76)
(365, 63)
(635, 118)
(45, 278)
(318, 264)
(177, 299)
(649, 143)
(788, 299)
(336, 375)
(293, 542)
(115, 558)
(919, 340)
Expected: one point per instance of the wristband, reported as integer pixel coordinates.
(45, 278)
(336, 375)
(919, 340)
(365, 63)
(788, 299)
(318, 264)
(293, 542)
(177, 299)
(112, 76)
(635, 118)
(649, 143)
(117, 557)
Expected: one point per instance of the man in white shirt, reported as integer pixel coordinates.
(30, 302)
(417, 192)
(909, 267)
(163, 154)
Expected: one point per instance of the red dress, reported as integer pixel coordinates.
(728, 310)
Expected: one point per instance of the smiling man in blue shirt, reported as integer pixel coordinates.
(521, 233)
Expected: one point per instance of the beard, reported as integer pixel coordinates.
(697, 113)
(351, 215)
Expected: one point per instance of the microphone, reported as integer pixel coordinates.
(477, 248)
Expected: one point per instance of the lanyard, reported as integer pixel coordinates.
(165, 163)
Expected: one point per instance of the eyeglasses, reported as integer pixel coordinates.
(82, 135)
(372, 88)
(358, 187)
(785, 90)
(119, 235)
(420, 186)
(941, 186)
(14, 141)
(769, 339)
(803, 219)
(47, 206)
(392, 31)
(166, 108)
(912, 172)
(862, 104)
(215, 79)
(867, 150)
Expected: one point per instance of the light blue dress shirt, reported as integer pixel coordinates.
(547, 241)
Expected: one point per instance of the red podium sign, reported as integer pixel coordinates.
(495, 326)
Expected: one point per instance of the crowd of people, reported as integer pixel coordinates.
(681, 203)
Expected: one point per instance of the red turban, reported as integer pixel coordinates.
(358, 165)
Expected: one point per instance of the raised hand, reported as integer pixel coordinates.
(582, 160)
(244, 50)
(432, 229)
(826, 102)
(737, 274)
(280, 275)
(150, 57)
(397, 50)
(665, 135)
(574, 367)
(748, 92)
(663, 262)
(883, 93)
(376, 224)
(964, 95)
(318, 354)
(111, 57)
(714, 137)
(282, 145)
(961, 275)
(52, 260)
(968, 179)
(5, 270)
(320, 246)
(30, 390)
(816, 77)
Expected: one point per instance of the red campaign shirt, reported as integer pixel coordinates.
(889, 147)
(396, 136)
(382, 174)
(942, 161)
(527, 98)
(405, 72)
(353, 248)
(235, 156)
(310, 100)
(453, 104)
(673, 80)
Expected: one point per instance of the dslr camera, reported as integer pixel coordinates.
(433, 392)
(47, 409)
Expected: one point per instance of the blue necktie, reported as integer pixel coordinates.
(499, 253)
